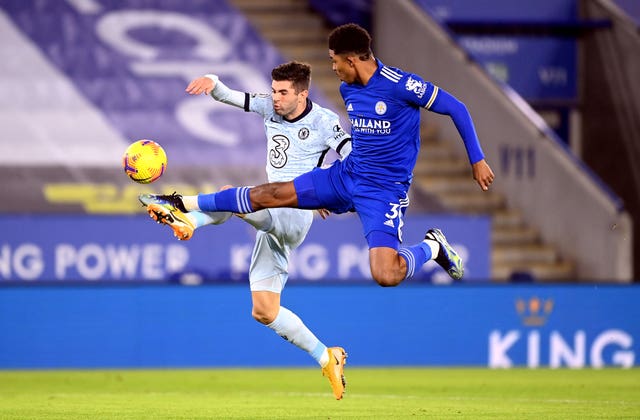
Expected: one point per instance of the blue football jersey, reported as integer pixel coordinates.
(385, 119)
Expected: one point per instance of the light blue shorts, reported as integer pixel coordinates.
(270, 259)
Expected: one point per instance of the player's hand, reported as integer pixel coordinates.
(483, 174)
(324, 213)
(200, 85)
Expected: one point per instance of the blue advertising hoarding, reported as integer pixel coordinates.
(497, 326)
(538, 68)
(501, 10)
(542, 67)
(61, 248)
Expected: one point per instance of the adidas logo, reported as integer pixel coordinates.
(389, 223)
(349, 107)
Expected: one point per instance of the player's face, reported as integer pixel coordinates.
(343, 67)
(286, 101)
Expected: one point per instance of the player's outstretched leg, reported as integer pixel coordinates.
(334, 370)
(169, 210)
(447, 257)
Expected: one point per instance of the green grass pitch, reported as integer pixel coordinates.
(393, 393)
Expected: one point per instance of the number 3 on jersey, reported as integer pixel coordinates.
(277, 154)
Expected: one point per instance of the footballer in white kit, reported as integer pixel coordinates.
(299, 133)
(293, 147)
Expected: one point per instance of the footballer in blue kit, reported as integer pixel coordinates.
(375, 180)
(384, 105)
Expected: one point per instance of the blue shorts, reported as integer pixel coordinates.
(380, 209)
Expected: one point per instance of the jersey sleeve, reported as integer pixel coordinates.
(260, 103)
(425, 94)
(336, 138)
(255, 102)
(416, 91)
(222, 93)
(447, 104)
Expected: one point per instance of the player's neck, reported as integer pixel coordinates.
(366, 70)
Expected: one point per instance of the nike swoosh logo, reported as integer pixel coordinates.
(272, 120)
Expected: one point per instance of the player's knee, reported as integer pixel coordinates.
(387, 278)
(388, 282)
(263, 314)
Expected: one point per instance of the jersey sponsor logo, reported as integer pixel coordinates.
(277, 154)
(381, 108)
(303, 133)
(416, 86)
(371, 126)
(369, 123)
(340, 135)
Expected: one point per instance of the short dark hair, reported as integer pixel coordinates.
(299, 74)
(351, 38)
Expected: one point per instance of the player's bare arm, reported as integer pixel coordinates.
(483, 174)
(200, 85)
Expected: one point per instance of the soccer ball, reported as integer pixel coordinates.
(144, 161)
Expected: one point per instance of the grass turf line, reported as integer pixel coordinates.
(378, 393)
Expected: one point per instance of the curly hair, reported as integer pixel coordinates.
(351, 38)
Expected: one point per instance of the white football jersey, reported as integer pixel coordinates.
(296, 147)
(293, 148)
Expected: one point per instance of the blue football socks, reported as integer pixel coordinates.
(415, 256)
(235, 200)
